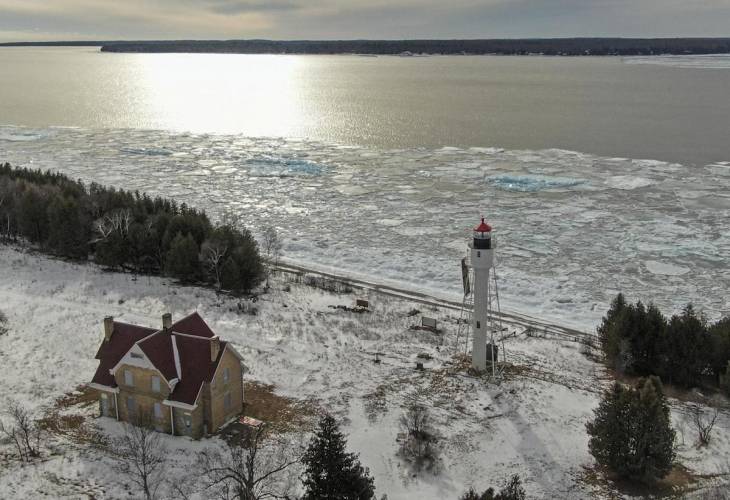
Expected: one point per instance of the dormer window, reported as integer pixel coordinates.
(136, 355)
(155, 384)
(226, 375)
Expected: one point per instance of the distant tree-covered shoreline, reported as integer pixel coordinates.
(543, 46)
(126, 230)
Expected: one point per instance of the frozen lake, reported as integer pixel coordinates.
(572, 228)
(378, 166)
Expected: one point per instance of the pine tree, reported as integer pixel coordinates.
(654, 435)
(631, 433)
(646, 346)
(332, 473)
(608, 331)
(69, 230)
(686, 348)
(182, 259)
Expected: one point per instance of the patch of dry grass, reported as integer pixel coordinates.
(678, 482)
(283, 414)
(75, 426)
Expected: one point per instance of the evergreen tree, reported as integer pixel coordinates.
(720, 348)
(631, 432)
(112, 251)
(331, 473)
(69, 230)
(182, 259)
(33, 215)
(608, 330)
(647, 346)
(686, 348)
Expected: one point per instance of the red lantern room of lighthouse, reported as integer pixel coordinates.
(483, 236)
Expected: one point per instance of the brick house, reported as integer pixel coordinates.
(182, 377)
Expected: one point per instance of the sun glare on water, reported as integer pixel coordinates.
(177, 93)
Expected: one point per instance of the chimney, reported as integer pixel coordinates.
(215, 348)
(108, 328)
(167, 322)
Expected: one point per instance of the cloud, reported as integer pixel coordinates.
(327, 19)
(241, 6)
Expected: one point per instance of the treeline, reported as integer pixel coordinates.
(685, 349)
(545, 46)
(125, 230)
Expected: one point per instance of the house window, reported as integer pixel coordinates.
(188, 423)
(158, 410)
(131, 404)
(136, 355)
(227, 401)
(128, 378)
(156, 384)
(479, 254)
(226, 375)
(478, 325)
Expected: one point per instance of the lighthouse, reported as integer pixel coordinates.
(482, 261)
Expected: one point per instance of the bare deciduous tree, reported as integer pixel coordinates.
(704, 424)
(22, 430)
(272, 249)
(256, 466)
(212, 254)
(419, 437)
(141, 455)
(116, 222)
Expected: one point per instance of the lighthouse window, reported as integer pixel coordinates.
(478, 325)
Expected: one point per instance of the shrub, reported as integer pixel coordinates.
(513, 491)
(418, 446)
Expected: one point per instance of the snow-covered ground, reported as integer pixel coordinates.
(531, 424)
(572, 229)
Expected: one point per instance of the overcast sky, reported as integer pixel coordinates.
(345, 19)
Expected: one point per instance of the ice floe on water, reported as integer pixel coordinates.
(568, 225)
(21, 134)
(532, 183)
(628, 182)
(272, 166)
(146, 151)
(665, 268)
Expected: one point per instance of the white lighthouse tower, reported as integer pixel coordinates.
(482, 261)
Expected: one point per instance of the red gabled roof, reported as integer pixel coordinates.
(196, 367)
(123, 338)
(193, 324)
(483, 227)
(192, 337)
(158, 349)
